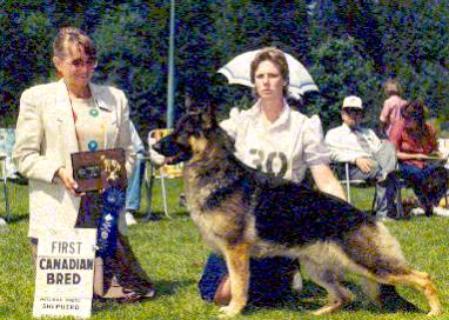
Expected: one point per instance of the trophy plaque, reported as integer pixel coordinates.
(96, 170)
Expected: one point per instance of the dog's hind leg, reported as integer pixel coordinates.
(375, 254)
(419, 280)
(237, 261)
(329, 279)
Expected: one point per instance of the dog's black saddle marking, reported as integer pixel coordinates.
(292, 214)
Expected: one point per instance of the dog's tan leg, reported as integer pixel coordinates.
(329, 279)
(237, 261)
(422, 282)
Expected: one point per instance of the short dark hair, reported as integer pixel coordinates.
(277, 57)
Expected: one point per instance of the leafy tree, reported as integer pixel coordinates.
(25, 52)
(340, 70)
(133, 57)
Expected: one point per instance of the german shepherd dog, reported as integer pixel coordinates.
(244, 213)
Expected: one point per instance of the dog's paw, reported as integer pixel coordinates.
(327, 309)
(435, 312)
(228, 312)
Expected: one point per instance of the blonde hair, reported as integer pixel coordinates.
(392, 87)
(277, 57)
(73, 36)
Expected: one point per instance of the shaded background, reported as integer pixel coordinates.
(349, 47)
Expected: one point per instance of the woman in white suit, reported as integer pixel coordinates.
(60, 118)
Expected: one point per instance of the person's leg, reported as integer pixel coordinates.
(134, 186)
(384, 191)
(416, 177)
(385, 197)
(133, 191)
(213, 285)
(386, 158)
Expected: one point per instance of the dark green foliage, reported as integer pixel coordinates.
(350, 47)
(341, 70)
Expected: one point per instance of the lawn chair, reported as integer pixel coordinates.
(156, 169)
(342, 172)
(8, 172)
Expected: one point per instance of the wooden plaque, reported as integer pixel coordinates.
(92, 173)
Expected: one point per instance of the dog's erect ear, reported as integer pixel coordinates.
(208, 116)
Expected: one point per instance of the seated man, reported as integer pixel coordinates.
(369, 157)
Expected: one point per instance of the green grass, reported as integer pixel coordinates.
(172, 253)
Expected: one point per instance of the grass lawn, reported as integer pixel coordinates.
(172, 252)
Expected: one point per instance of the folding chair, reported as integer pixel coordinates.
(7, 169)
(342, 171)
(347, 181)
(156, 169)
(4, 182)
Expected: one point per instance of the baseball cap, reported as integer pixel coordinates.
(352, 102)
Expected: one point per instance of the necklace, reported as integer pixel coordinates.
(94, 112)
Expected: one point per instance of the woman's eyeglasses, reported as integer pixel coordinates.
(79, 63)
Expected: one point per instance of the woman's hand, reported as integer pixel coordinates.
(364, 164)
(66, 178)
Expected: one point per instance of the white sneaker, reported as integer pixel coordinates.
(441, 211)
(130, 220)
(417, 211)
(2, 222)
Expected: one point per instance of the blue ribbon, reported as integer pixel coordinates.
(113, 203)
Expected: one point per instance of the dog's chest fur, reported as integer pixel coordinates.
(220, 210)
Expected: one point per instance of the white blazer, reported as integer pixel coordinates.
(45, 138)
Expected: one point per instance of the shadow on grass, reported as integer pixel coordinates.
(15, 219)
(163, 288)
(156, 216)
(313, 297)
(167, 288)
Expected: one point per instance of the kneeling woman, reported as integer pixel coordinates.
(272, 137)
(67, 116)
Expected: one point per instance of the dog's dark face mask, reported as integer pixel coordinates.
(178, 145)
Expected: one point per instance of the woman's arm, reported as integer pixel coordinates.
(30, 131)
(411, 156)
(326, 181)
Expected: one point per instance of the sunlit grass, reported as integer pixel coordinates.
(172, 253)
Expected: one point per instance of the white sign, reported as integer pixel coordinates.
(64, 273)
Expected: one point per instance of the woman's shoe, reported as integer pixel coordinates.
(132, 296)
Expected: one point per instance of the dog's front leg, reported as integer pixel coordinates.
(237, 261)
